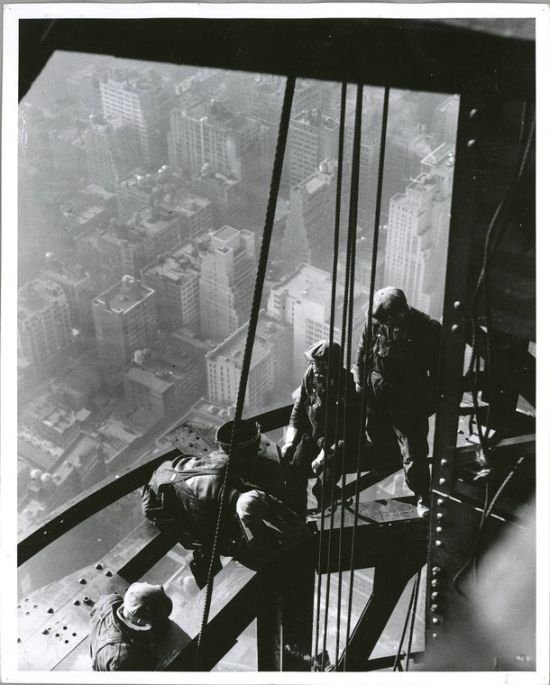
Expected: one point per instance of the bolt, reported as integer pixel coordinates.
(45, 631)
(76, 602)
(99, 567)
(108, 573)
(50, 610)
(83, 581)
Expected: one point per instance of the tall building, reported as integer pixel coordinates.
(445, 120)
(312, 137)
(43, 327)
(77, 285)
(309, 234)
(125, 321)
(209, 135)
(405, 148)
(175, 280)
(142, 100)
(111, 151)
(418, 232)
(163, 383)
(303, 300)
(226, 282)
(269, 366)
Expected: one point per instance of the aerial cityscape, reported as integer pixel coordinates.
(142, 197)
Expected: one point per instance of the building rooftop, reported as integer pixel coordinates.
(444, 153)
(72, 274)
(37, 295)
(124, 295)
(307, 283)
(232, 348)
(217, 114)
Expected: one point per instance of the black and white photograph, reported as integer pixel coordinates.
(269, 343)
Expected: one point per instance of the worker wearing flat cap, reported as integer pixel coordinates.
(317, 433)
(397, 366)
(125, 630)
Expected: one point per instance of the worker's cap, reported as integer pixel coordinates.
(320, 352)
(388, 302)
(247, 434)
(145, 606)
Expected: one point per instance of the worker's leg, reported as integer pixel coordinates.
(379, 427)
(412, 434)
(297, 474)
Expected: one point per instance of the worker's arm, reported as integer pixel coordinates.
(296, 425)
(358, 369)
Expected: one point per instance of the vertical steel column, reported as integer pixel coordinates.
(465, 192)
(269, 620)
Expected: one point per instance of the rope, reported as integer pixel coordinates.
(397, 660)
(348, 312)
(485, 515)
(413, 617)
(251, 333)
(369, 343)
(339, 173)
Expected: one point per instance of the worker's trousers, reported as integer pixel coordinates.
(397, 425)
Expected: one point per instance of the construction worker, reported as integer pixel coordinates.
(125, 630)
(183, 498)
(396, 365)
(316, 433)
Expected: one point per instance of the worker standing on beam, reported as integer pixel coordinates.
(125, 630)
(316, 433)
(398, 370)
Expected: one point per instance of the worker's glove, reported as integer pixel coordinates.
(287, 452)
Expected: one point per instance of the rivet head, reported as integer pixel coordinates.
(108, 573)
(436, 621)
(439, 516)
(444, 462)
(83, 581)
(45, 631)
(438, 543)
(434, 608)
(471, 142)
(440, 501)
(442, 481)
(99, 567)
(455, 328)
(436, 570)
(434, 595)
(457, 304)
(438, 529)
(50, 610)
(435, 582)
(435, 636)
(76, 602)
(472, 113)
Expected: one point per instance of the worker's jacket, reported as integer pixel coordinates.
(183, 496)
(405, 361)
(113, 645)
(322, 413)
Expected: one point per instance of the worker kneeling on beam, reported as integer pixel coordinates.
(324, 421)
(396, 365)
(125, 630)
(184, 495)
